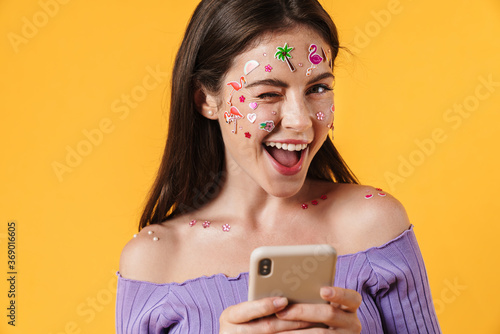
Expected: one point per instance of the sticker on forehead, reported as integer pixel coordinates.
(283, 54)
(250, 66)
(328, 57)
(314, 58)
(323, 53)
(267, 126)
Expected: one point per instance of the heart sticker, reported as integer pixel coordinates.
(253, 105)
(252, 117)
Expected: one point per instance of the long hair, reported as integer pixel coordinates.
(192, 167)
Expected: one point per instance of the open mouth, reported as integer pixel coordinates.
(286, 158)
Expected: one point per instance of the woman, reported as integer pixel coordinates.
(248, 162)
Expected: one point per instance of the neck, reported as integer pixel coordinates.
(242, 199)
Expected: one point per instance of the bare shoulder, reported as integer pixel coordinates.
(369, 216)
(148, 254)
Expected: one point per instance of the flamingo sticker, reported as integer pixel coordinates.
(233, 116)
(236, 87)
(314, 58)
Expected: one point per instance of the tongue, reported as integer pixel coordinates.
(284, 157)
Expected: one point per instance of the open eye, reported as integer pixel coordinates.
(319, 89)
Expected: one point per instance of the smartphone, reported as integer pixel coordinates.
(295, 272)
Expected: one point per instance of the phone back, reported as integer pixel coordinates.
(296, 272)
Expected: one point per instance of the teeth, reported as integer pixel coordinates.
(287, 147)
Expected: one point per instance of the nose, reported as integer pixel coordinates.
(295, 115)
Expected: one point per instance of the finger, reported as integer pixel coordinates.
(250, 310)
(314, 331)
(271, 324)
(319, 313)
(348, 300)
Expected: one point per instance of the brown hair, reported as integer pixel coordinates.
(192, 167)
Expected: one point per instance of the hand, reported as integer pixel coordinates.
(339, 315)
(258, 317)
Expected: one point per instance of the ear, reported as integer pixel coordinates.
(206, 104)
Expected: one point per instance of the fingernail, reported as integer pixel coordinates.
(280, 302)
(327, 292)
(281, 314)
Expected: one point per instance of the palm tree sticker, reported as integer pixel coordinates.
(283, 54)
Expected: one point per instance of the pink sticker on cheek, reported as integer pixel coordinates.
(267, 126)
(320, 116)
(242, 99)
(232, 116)
(253, 105)
(251, 117)
(268, 68)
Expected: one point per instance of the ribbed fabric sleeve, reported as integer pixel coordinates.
(393, 283)
(391, 279)
(193, 306)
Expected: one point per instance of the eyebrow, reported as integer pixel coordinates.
(321, 77)
(282, 84)
(268, 82)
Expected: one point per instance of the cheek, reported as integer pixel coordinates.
(257, 119)
(323, 111)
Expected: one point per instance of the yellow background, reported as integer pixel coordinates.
(413, 62)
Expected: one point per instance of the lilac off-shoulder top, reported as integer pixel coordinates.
(391, 279)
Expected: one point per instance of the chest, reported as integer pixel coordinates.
(229, 253)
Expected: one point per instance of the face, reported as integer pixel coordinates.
(276, 109)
